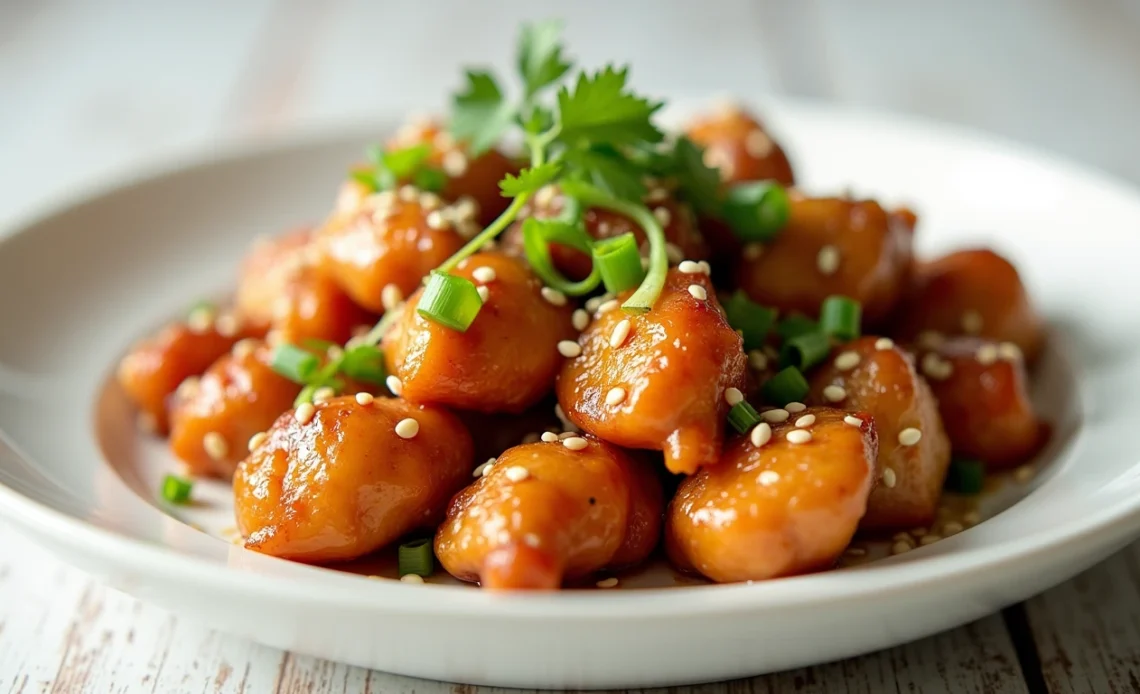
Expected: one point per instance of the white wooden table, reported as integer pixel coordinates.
(89, 89)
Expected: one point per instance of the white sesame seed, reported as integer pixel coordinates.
(391, 296)
(690, 267)
(323, 394)
(615, 396)
(1023, 473)
(931, 339)
(408, 193)
(575, 443)
(757, 360)
(395, 385)
(972, 322)
(889, 478)
(798, 436)
(733, 396)
(935, 367)
(188, 388)
(795, 407)
(256, 440)
(674, 253)
(972, 518)
(334, 352)
(436, 220)
(658, 194)
(901, 547)
(663, 215)
(429, 201)
(918, 532)
(903, 536)
(620, 333)
(304, 413)
(244, 348)
(705, 267)
(454, 163)
(200, 320)
(987, 354)
(951, 528)
(483, 292)
(806, 421)
(698, 292)
(569, 349)
(215, 445)
(847, 360)
(884, 343)
(753, 251)
(364, 398)
(545, 196)
(853, 421)
(834, 393)
(610, 582)
(761, 434)
(827, 261)
(481, 469)
(566, 434)
(855, 551)
(516, 473)
(775, 416)
(484, 274)
(757, 143)
(929, 539)
(909, 436)
(531, 540)
(580, 320)
(607, 306)
(1009, 351)
(768, 477)
(549, 436)
(411, 578)
(226, 325)
(407, 428)
(553, 296)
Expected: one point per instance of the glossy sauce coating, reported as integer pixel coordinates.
(673, 368)
(736, 143)
(344, 483)
(884, 383)
(971, 292)
(267, 269)
(212, 417)
(779, 509)
(832, 246)
(390, 239)
(507, 359)
(982, 394)
(545, 514)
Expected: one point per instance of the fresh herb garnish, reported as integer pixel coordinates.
(389, 168)
(360, 360)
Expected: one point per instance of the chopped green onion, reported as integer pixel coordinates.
(795, 325)
(786, 386)
(318, 345)
(306, 395)
(294, 363)
(450, 301)
(176, 490)
(743, 417)
(756, 211)
(750, 318)
(416, 557)
(805, 350)
(430, 178)
(965, 476)
(538, 234)
(840, 317)
(364, 363)
(619, 263)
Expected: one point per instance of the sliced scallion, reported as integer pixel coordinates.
(619, 263)
(840, 317)
(756, 211)
(750, 318)
(450, 301)
(805, 350)
(795, 325)
(789, 385)
(538, 234)
(294, 363)
(965, 476)
(416, 557)
(743, 417)
(176, 490)
(365, 363)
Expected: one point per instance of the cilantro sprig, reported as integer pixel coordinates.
(388, 168)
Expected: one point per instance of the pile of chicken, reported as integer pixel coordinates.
(592, 393)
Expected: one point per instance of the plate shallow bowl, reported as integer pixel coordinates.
(78, 285)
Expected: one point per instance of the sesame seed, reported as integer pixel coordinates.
(407, 428)
(215, 445)
(753, 251)
(761, 434)
(566, 434)
(951, 528)
(553, 296)
(436, 220)
(806, 421)
(884, 343)
(705, 267)
(323, 394)
(1009, 351)
(658, 194)
(798, 436)
(304, 413)
(663, 215)
(200, 320)
(855, 551)
(334, 352)
(918, 532)
(483, 292)
(757, 360)
(674, 253)
(1023, 473)
(889, 478)
(775, 416)
(244, 348)
(620, 333)
(716, 158)
(903, 536)
(484, 274)
(454, 163)
(188, 388)
(987, 354)
(853, 421)
(429, 201)
(226, 325)
(516, 473)
(575, 443)
(549, 436)
(847, 360)
(929, 539)
(408, 193)
(758, 144)
(934, 366)
(531, 540)
(607, 306)
(391, 296)
(690, 267)
(909, 436)
(733, 396)
(483, 468)
(411, 578)
(395, 385)
(768, 477)
(972, 518)
(834, 393)
(610, 582)
(465, 208)
(698, 292)
(569, 349)
(364, 398)
(545, 196)
(931, 339)
(827, 261)
(593, 303)
(901, 547)
(795, 407)
(256, 440)
(580, 320)
(972, 322)
(616, 396)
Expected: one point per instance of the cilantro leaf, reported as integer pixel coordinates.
(404, 162)
(607, 169)
(529, 180)
(601, 110)
(700, 183)
(540, 59)
(480, 114)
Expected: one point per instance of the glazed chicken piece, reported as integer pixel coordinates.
(265, 271)
(831, 246)
(658, 380)
(154, 368)
(787, 506)
(971, 292)
(552, 512)
(736, 144)
(379, 251)
(343, 478)
(676, 219)
(981, 388)
(873, 375)
(213, 417)
(507, 359)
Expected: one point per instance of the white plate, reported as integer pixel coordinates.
(79, 284)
